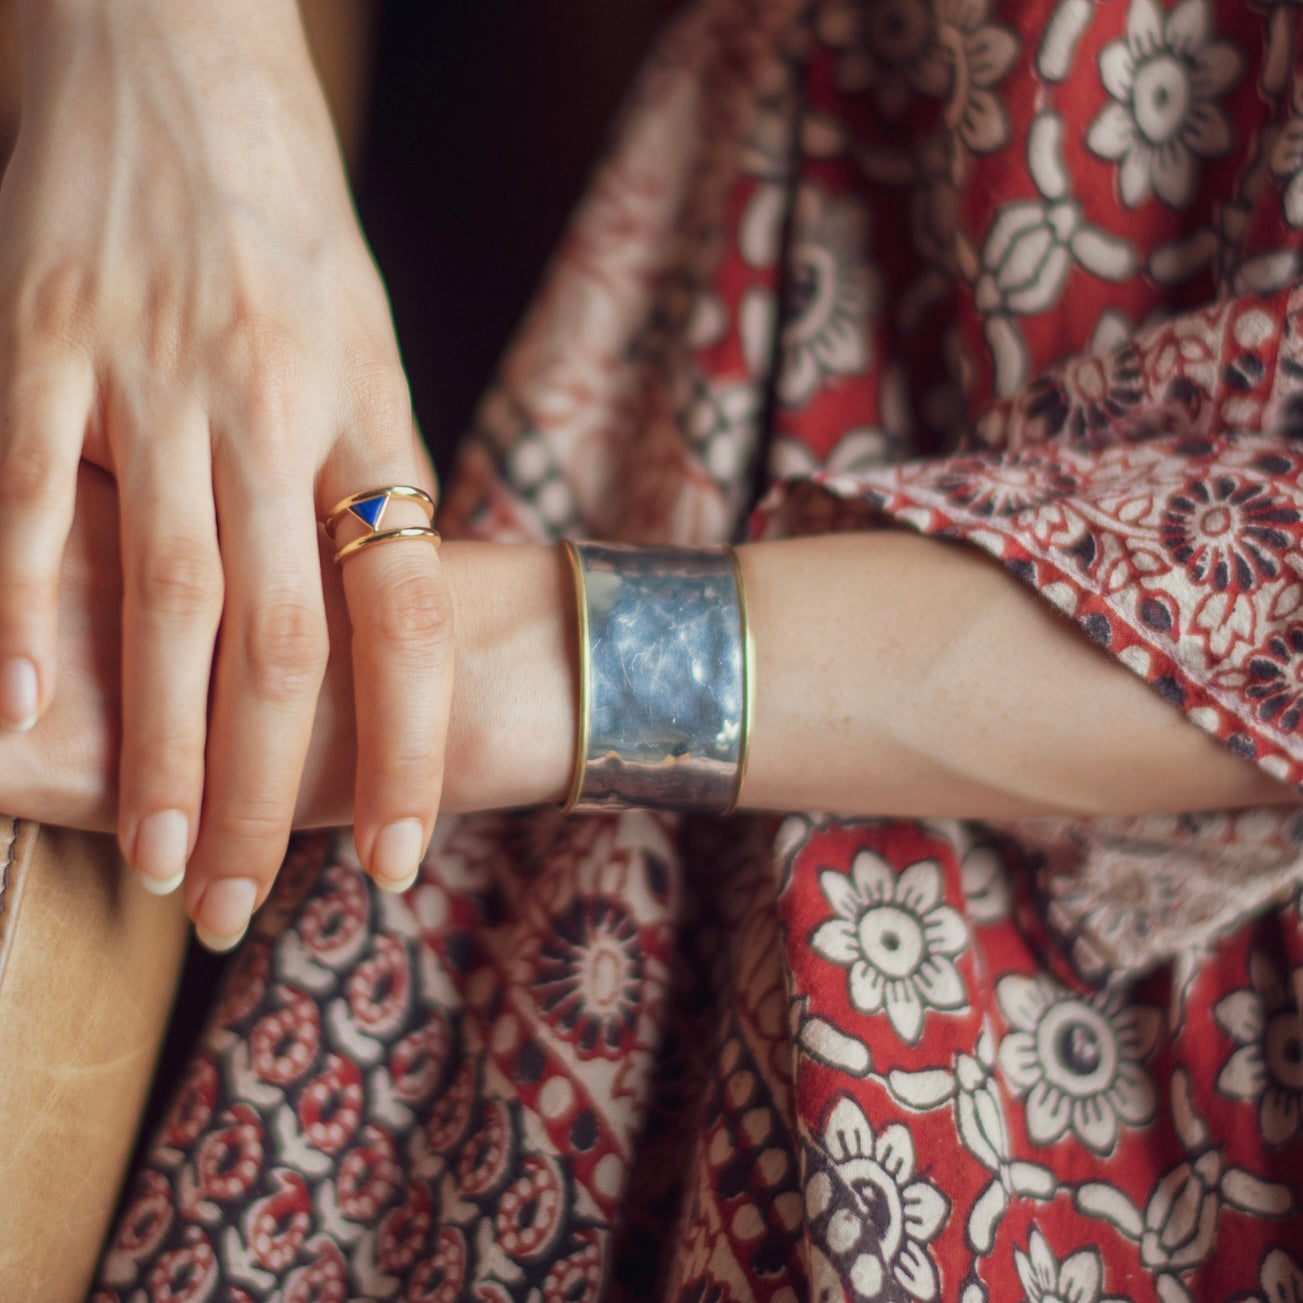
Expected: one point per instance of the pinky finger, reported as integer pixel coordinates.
(45, 400)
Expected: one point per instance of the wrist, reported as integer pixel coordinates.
(155, 39)
(512, 732)
(512, 735)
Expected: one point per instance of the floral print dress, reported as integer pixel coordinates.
(1018, 273)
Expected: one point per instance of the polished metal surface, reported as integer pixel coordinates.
(369, 507)
(663, 692)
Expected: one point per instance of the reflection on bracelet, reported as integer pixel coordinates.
(664, 678)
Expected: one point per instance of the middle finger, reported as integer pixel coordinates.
(270, 661)
(171, 607)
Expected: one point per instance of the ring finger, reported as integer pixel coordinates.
(400, 610)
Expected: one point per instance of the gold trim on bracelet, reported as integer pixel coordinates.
(583, 700)
(748, 682)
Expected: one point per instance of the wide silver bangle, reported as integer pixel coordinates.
(664, 678)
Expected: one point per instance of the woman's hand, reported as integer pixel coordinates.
(511, 737)
(186, 300)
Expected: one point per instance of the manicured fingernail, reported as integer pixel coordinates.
(18, 694)
(161, 886)
(162, 844)
(396, 854)
(224, 912)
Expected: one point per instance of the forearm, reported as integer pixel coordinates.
(902, 675)
(895, 675)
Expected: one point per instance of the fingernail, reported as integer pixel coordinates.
(161, 886)
(398, 885)
(162, 844)
(396, 854)
(18, 694)
(224, 912)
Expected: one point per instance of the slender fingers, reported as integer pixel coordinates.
(172, 602)
(270, 660)
(400, 609)
(47, 393)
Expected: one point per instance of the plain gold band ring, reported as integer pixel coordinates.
(388, 536)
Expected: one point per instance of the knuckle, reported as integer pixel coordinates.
(269, 401)
(180, 576)
(26, 600)
(60, 302)
(417, 617)
(380, 392)
(171, 758)
(285, 649)
(27, 472)
(259, 823)
(162, 327)
(261, 338)
(265, 360)
(396, 769)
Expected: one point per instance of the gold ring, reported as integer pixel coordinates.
(388, 536)
(369, 506)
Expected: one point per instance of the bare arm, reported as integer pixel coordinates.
(896, 675)
(902, 675)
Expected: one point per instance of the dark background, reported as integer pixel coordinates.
(484, 119)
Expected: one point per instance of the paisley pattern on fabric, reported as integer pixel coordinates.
(1019, 273)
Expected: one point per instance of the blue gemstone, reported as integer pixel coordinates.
(369, 510)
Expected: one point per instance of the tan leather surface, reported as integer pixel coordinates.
(88, 965)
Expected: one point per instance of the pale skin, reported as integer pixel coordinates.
(186, 301)
(895, 675)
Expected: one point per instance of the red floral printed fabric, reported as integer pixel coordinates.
(1021, 273)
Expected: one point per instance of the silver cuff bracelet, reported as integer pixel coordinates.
(664, 678)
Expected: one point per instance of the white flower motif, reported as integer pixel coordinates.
(1165, 76)
(896, 937)
(830, 300)
(1033, 243)
(1078, 1060)
(1180, 1228)
(1267, 1069)
(1287, 163)
(988, 892)
(980, 1105)
(723, 420)
(1177, 1232)
(1046, 1280)
(1282, 1278)
(867, 1213)
(1026, 258)
(888, 47)
(981, 54)
(1029, 249)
